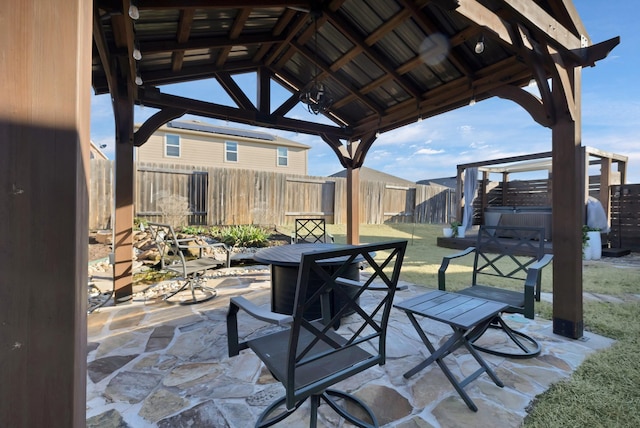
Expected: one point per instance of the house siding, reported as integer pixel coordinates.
(207, 150)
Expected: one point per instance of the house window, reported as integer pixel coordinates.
(230, 151)
(283, 156)
(172, 146)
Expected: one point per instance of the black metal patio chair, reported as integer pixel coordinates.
(188, 259)
(311, 230)
(308, 356)
(506, 256)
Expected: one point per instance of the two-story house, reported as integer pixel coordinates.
(197, 143)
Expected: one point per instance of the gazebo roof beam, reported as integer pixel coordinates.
(430, 28)
(209, 43)
(185, 22)
(358, 40)
(152, 97)
(278, 29)
(205, 4)
(556, 34)
(234, 33)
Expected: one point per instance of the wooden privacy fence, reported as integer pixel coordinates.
(625, 217)
(224, 196)
(100, 194)
(521, 194)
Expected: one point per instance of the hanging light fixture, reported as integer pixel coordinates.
(137, 54)
(316, 95)
(479, 48)
(134, 13)
(472, 101)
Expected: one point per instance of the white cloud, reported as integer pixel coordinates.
(466, 130)
(428, 151)
(479, 145)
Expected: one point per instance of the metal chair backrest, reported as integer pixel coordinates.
(166, 241)
(317, 355)
(507, 252)
(310, 230)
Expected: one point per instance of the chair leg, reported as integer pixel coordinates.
(528, 345)
(313, 412)
(263, 422)
(193, 282)
(96, 298)
(328, 397)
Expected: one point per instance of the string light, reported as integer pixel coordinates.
(137, 54)
(480, 45)
(134, 13)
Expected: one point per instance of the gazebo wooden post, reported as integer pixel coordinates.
(505, 188)
(44, 204)
(584, 156)
(622, 169)
(485, 195)
(353, 205)
(459, 187)
(605, 183)
(124, 190)
(568, 205)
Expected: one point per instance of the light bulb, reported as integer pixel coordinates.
(472, 102)
(138, 80)
(480, 46)
(137, 55)
(377, 134)
(134, 13)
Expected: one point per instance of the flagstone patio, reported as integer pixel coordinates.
(153, 364)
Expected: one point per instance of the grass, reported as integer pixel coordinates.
(605, 390)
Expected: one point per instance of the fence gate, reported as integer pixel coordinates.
(398, 204)
(309, 197)
(173, 196)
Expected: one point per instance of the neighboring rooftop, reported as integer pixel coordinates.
(195, 125)
(96, 152)
(449, 182)
(213, 129)
(370, 174)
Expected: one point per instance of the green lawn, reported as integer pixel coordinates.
(605, 390)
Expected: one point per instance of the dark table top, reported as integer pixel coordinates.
(289, 255)
(452, 308)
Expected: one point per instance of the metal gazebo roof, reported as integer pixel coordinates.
(386, 63)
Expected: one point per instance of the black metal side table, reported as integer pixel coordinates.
(465, 315)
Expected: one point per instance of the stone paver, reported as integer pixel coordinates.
(152, 364)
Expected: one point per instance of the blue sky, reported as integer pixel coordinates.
(490, 129)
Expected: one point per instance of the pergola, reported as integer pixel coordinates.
(386, 63)
(544, 162)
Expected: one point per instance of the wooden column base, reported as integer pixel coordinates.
(568, 328)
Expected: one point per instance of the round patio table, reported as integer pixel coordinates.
(285, 260)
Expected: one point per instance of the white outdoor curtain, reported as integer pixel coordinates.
(470, 188)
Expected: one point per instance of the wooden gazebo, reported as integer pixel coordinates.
(385, 63)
